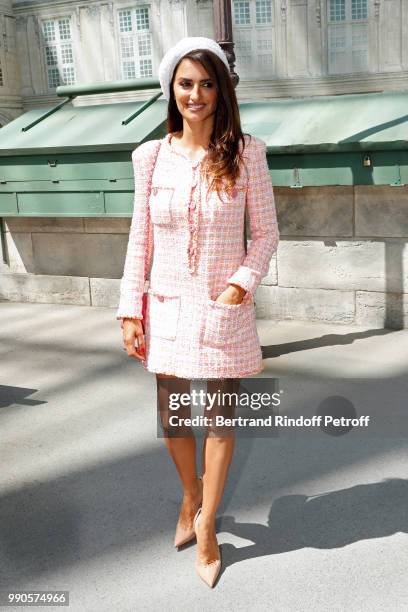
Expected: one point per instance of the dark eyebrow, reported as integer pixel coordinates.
(186, 79)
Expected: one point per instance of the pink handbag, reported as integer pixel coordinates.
(144, 309)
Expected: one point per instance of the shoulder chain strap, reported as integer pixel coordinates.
(245, 232)
(149, 245)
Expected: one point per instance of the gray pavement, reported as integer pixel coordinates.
(90, 498)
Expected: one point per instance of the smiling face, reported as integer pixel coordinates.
(195, 91)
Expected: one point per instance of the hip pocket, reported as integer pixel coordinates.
(226, 323)
(160, 204)
(164, 311)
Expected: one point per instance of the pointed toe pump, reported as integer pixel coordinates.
(183, 535)
(207, 571)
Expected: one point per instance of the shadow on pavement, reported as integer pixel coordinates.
(326, 521)
(276, 350)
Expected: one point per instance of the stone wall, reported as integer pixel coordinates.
(64, 260)
(343, 258)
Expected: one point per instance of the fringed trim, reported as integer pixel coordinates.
(193, 219)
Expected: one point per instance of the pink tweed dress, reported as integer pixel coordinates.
(198, 248)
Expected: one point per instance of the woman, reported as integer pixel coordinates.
(200, 319)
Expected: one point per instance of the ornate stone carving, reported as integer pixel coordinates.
(111, 18)
(78, 22)
(21, 21)
(93, 10)
(38, 30)
(284, 9)
(318, 7)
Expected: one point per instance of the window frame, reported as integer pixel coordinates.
(57, 44)
(347, 24)
(133, 35)
(254, 66)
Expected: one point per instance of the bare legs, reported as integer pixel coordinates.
(217, 455)
(181, 449)
(218, 449)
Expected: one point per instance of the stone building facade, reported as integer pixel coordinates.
(343, 253)
(283, 47)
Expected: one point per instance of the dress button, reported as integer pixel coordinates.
(192, 205)
(160, 298)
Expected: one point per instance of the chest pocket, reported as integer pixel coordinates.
(227, 208)
(161, 204)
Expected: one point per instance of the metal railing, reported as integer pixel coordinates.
(72, 91)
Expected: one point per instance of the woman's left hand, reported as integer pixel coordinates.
(234, 294)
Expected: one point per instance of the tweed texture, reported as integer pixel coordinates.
(198, 248)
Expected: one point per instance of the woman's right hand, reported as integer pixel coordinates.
(133, 336)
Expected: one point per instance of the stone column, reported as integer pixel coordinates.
(10, 91)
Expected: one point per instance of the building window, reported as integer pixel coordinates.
(1, 76)
(348, 36)
(59, 59)
(253, 30)
(263, 11)
(241, 12)
(135, 43)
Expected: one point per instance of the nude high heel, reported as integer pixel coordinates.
(182, 535)
(207, 571)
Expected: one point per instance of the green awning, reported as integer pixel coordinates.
(357, 122)
(76, 161)
(82, 129)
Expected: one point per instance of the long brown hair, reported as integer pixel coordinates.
(224, 156)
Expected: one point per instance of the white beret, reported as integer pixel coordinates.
(174, 54)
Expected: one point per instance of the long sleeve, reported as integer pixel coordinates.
(263, 222)
(140, 237)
